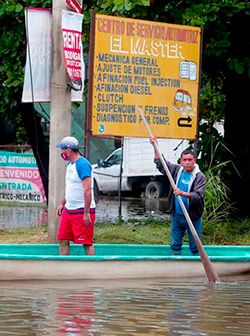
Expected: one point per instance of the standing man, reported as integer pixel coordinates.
(77, 208)
(190, 185)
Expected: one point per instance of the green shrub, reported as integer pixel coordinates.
(217, 204)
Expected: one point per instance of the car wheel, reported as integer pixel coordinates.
(154, 189)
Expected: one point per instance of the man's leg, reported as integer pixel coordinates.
(64, 247)
(64, 234)
(84, 233)
(89, 249)
(177, 233)
(198, 227)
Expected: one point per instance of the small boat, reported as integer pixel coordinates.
(116, 261)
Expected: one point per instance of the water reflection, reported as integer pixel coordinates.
(180, 307)
(75, 312)
(13, 217)
(107, 210)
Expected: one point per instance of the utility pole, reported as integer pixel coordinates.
(90, 86)
(60, 119)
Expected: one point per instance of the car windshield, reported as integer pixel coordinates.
(115, 158)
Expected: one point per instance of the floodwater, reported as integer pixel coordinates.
(23, 216)
(189, 307)
(107, 209)
(138, 307)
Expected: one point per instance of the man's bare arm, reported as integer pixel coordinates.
(87, 198)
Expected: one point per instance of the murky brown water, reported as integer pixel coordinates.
(107, 210)
(152, 307)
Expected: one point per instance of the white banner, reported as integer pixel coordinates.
(38, 68)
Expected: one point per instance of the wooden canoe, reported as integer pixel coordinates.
(116, 261)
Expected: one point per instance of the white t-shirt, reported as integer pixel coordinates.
(74, 193)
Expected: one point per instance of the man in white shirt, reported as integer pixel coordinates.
(77, 208)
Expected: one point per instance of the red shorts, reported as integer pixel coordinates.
(72, 227)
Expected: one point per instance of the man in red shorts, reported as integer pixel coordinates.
(77, 208)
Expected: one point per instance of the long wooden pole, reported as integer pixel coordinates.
(210, 272)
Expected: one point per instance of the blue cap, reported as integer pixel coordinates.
(68, 142)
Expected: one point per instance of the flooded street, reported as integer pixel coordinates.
(177, 306)
(107, 209)
(140, 307)
(23, 216)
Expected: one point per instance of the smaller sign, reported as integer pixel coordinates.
(20, 180)
(72, 34)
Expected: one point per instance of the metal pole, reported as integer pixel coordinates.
(60, 119)
(90, 88)
(120, 184)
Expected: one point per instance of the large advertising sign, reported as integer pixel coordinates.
(151, 65)
(20, 180)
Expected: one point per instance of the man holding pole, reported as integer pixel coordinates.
(190, 186)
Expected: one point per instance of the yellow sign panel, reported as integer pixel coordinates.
(152, 65)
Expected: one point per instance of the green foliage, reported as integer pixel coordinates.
(122, 7)
(217, 204)
(211, 148)
(20, 131)
(212, 151)
(226, 232)
(212, 99)
(236, 65)
(12, 59)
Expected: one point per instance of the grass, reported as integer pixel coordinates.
(132, 232)
(139, 232)
(227, 232)
(33, 235)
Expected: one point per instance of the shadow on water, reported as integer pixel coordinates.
(107, 209)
